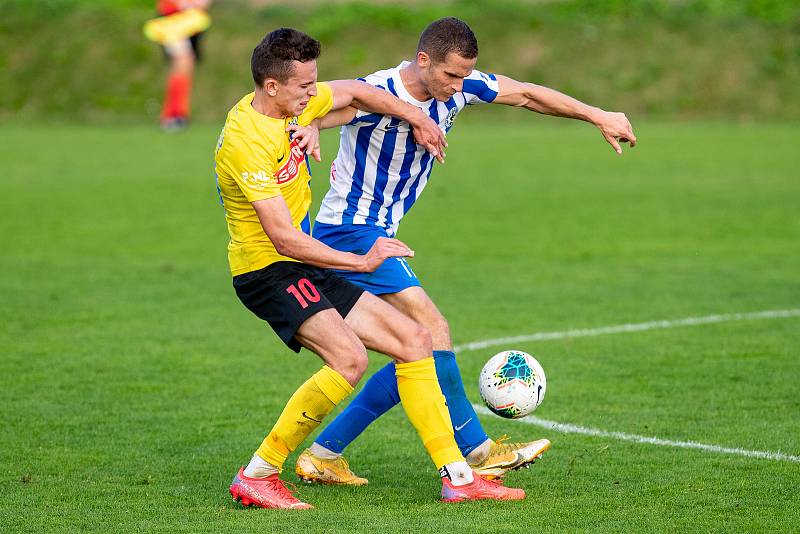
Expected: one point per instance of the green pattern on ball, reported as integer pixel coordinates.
(515, 368)
(509, 412)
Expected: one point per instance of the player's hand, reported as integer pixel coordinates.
(383, 249)
(616, 129)
(307, 138)
(428, 134)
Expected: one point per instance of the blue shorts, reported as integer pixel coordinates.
(393, 276)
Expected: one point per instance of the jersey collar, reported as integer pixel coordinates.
(401, 89)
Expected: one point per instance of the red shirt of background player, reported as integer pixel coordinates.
(167, 7)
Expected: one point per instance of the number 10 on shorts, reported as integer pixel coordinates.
(304, 292)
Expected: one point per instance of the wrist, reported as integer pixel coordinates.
(413, 115)
(359, 263)
(593, 115)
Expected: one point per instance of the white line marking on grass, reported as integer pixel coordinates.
(630, 327)
(575, 429)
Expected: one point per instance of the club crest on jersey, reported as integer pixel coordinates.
(289, 170)
(451, 117)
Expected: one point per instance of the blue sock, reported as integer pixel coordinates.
(377, 396)
(468, 430)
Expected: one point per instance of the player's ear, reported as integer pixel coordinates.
(423, 59)
(271, 86)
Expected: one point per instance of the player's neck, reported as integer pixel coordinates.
(265, 105)
(413, 82)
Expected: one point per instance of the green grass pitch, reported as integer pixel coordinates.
(133, 383)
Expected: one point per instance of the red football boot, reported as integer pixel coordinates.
(269, 492)
(479, 489)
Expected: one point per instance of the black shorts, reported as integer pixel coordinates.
(194, 40)
(287, 293)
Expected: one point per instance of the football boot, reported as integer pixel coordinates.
(504, 457)
(268, 492)
(311, 468)
(479, 489)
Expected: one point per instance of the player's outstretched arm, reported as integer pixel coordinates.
(337, 117)
(365, 97)
(276, 220)
(615, 127)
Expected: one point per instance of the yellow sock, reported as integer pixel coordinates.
(303, 413)
(425, 407)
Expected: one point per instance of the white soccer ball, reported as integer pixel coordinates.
(512, 384)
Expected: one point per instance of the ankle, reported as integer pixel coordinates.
(459, 473)
(323, 452)
(260, 468)
(479, 453)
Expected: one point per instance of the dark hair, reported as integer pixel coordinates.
(273, 56)
(448, 35)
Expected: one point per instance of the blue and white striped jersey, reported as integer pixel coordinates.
(379, 171)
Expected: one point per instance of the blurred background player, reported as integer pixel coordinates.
(282, 275)
(183, 54)
(376, 177)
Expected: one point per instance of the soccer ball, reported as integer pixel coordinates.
(512, 384)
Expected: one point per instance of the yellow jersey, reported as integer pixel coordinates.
(256, 159)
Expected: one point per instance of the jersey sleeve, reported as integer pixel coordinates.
(252, 167)
(480, 88)
(319, 105)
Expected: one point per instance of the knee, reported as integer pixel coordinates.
(353, 367)
(423, 344)
(183, 62)
(417, 343)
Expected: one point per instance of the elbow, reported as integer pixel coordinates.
(283, 247)
(283, 243)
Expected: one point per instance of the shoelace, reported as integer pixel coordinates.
(492, 481)
(279, 486)
(342, 462)
(487, 484)
(505, 447)
(488, 480)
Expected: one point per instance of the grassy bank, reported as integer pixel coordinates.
(76, 59)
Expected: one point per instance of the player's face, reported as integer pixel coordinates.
(293, 96)
(444, 79)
